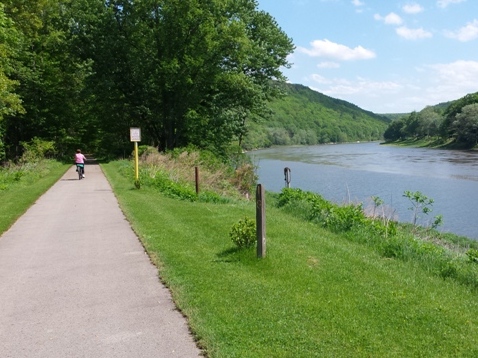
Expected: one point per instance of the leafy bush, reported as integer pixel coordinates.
(472, 255)
(331, 216)
(37, 150)
(145, 150)
(243, 233)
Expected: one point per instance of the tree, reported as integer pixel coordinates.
(186, 71)
(10, 101)
(452, 110)
(49, 80)
(394, 130)
(429, 121)
(465, 125)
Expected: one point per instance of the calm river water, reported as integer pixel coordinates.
(356, 172)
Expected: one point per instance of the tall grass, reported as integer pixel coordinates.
(174, 174)
(445, 255)
(317, 293)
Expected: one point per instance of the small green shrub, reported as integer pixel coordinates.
(243, 233)
(37, 149)
(472, 255)
(145, 150)
(449, 269)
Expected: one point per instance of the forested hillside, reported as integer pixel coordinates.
(452, 123)
(304, 116)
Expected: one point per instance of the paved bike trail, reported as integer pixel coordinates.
(75, 281)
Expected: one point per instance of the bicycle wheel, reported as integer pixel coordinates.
(80, 172)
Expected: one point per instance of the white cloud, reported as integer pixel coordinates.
(453, 80)
(328, 65)
(466, 33)
(412, 8)
(328, 49)
(390, 19)
(413, 34)
(462, 72)
(358, 3)
(320, 79)
(444, 3)
(339, 87)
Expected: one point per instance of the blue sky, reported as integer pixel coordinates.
(385, 56)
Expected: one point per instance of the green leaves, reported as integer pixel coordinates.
(243, 233)
(465, 125)
(421, 203)
(185, 71)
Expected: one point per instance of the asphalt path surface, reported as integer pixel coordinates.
(75, 281)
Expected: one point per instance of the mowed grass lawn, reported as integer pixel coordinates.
(314, 295)
(16, 197)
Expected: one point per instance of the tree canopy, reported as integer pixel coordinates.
(81, 72)
(457, 121)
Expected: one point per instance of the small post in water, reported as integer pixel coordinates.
(261, 221)
(287, 177)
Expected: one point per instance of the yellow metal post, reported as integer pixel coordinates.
(136, 163)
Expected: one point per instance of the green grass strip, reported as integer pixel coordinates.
(16, 197)
(316, 294)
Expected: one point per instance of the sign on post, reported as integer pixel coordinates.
(135, 136)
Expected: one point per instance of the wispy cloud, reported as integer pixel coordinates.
(328, 65)
(329, 49)
(413, 34)
(468, 32)
(390, 19)
(339, 87)
(444, 3)
(358, 3)
(454, 80)
(465, 72)
(412, 8)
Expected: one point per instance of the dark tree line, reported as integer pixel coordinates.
(457, 122)
(82, 72)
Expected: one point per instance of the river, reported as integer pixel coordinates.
(356, 172)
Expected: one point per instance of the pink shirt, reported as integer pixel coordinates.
(80, 158)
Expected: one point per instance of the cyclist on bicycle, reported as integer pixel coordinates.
(80, 160)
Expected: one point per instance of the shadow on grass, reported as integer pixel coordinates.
(233, 254)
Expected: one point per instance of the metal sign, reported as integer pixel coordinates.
(135, 134)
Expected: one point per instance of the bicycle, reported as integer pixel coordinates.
(80, 168)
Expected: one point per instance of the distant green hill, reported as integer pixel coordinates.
(304, 116)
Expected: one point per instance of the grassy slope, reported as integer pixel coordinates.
(315, 294)
(20, 196)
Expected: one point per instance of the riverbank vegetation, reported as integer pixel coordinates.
(454, 125)
(335, 281)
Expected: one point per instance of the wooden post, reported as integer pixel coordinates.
(287, 177)
(196, 172)
(261, 221)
